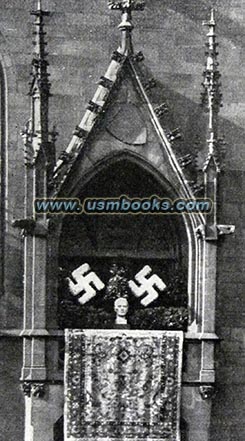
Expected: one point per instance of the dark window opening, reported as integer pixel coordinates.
(130, 242)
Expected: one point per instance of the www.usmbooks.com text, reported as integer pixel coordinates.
(122, 205)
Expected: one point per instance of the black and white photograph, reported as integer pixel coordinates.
(122, 188)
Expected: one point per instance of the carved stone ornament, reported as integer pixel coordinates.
(133, 5)
(30, 226)
(33, 389)
(26, 387)
(161, 110)
(207, 391)
(38, 390)
(212, 232)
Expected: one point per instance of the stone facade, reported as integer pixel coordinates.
(81, 36)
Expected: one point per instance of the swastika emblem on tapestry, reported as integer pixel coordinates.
(146, 285)
(122, 385)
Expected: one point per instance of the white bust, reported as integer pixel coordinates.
(121, 309)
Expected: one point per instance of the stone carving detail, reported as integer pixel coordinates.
(94, 107)
(106, 82)
(196, 187)
(149, 84)
(174, 135)
(225, 229)
(26, 225)
(146, 286)
(119, 58)
(187, 160)
(207, 391)
(133, 5)
(33, 389)
(212, 96)
(38, 390)
(30, 226)
(82, 282)
(212, 232)
(65, 157)
(26, 387)
(80, 132)
(139, 57)
(161, 110)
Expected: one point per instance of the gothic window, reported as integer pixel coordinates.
(117, 247)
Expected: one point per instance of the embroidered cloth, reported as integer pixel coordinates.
(122, 385)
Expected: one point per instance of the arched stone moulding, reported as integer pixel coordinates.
(75, 168)
(190, 221)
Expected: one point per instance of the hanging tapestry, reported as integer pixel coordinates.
(122, 385)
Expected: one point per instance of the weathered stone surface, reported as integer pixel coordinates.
(11, 398)
(82, 35)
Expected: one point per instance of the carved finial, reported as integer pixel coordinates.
(37, 137)
(39, 62)
(40, 85)
(126, 26)
(211, 97)
(132, 5)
